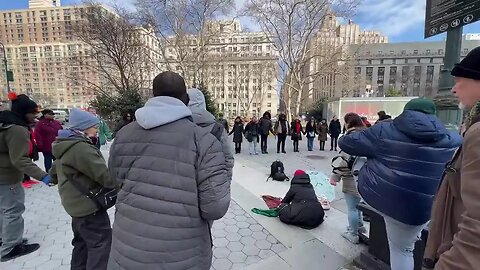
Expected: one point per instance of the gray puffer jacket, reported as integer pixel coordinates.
(206, 120)
(174, 183)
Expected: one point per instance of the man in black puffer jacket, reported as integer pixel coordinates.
(300, 207)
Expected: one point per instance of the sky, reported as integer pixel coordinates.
(400, 20)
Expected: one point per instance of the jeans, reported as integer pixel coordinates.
(401, 241)
(263, 143)
(281, 138)
(354, 215)
(238, 147)
(334, 142)
(310, 143)
(92, 238)
(12, 206)
(253, 146)
(47, 160)
(295, 145)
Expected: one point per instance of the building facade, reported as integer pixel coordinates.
(408, 69)
(239, 68)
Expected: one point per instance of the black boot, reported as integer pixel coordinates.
(24, 241)
(20, 250)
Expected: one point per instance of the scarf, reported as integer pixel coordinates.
(297, 127)
(473, 116)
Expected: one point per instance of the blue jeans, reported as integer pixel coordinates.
(354, 215)
(310, 143)
(47, 161)
(253, 147)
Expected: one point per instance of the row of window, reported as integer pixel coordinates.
(416, 52)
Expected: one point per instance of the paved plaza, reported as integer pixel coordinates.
(241, 239)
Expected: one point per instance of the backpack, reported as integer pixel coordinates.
(354, 164)
(277, 171)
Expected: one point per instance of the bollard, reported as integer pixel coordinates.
(377, 256)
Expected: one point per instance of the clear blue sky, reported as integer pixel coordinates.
(401, 20)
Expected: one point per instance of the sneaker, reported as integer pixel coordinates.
(362, 230)
(24, 241)
(352, 238)
(20, 250)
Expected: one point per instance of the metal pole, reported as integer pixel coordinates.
(452, 56)
(6, 66)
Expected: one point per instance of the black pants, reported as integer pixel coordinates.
(92, 239)
(322, 145)
(238, 147)
(263, 143)
(334, 142)
(295, 145)
(281, 138)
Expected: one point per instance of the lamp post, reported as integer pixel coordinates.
(6, 65)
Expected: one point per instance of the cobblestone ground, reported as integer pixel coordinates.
(238, 239)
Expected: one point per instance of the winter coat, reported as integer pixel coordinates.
(303, 208)
(206, 120)
(120, 125)
(77, 157)
(406, 159)
(296, 136)
(454, 231)
(281, 127)
(335, 128)
(224, 123)
(14, 150)
(46, 131)
(237, 132)
(266, 126)
(322, 131)
(104, 133)
(310, 130)
(174, 184)
(252, 131)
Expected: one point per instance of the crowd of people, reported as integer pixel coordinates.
(410, 169)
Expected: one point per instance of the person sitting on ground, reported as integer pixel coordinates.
(79, 163)
(206, 120)
(14, 162)
(300, 206)
(354, 123)
(406, 158)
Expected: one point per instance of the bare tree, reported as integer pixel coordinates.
(291, 24)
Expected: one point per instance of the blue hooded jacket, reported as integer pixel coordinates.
(406, 158)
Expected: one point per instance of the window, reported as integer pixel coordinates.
(428, 51)
(369, 75)
(269, 105)
(440, 51)
(418, 60)
(415, 52)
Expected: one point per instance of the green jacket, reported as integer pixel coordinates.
(14, 151)
(104, 133)
(77, 157)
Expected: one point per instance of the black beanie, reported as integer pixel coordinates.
(469, 67)
(22, 104)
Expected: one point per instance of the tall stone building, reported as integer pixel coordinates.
(239, 68)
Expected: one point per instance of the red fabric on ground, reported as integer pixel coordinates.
(272, 202)
(29, 183)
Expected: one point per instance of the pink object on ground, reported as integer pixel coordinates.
(29, 183)
(272, 202)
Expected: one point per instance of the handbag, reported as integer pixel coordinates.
(104, 199)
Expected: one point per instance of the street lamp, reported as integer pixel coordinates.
(6, 65)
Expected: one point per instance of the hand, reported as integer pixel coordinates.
(333, 182)
(46, 180)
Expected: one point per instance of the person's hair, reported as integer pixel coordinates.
(353, 120)
(381, 113)
(238, 118)
(169, 84)
(47, 111)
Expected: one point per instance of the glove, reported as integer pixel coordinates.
(46, 180)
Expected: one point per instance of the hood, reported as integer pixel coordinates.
(66, 139)
(301, 179)
(421, 126)
(11, 118)
(159, 111)
(198, 108)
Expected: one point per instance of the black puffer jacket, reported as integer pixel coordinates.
(303, 208)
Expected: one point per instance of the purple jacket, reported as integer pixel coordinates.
(46, 131)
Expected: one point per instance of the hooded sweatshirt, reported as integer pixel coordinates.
(174, 183)
(206, 120)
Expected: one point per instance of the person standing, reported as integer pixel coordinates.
(322, 130)
(334, 129)
(46, 131)
(366, 122)
(296, 130)
(310, 132)
(353, 123)
(80, 165)
(454, 234)
(223, 122)
(281, 131)
(265, 128)
(14, 162)
(406, 158)
(237, 132)
(252, 130)
(126, 119)
(174, 184)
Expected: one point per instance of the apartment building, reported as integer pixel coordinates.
(239, 68)
(412, 68)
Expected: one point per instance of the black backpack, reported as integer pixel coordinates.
(277, 171)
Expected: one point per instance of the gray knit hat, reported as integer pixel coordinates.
(82, 120)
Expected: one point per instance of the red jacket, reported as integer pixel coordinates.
(46, 131)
